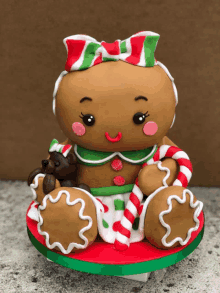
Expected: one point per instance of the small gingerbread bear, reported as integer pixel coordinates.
(115, 104)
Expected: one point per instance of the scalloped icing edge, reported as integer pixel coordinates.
(198, 205)
(72, 244)
(34, 185)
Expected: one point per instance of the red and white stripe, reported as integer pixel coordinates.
(122, 240)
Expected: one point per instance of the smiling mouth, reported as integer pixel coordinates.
(115, 139)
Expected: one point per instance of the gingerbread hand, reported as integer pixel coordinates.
(152, 177)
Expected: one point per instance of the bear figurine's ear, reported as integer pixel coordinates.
(72, 158)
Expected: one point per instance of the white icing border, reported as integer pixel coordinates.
(111, 156)
(57, 83)
(198, 205)
(174, 118)
(34, 185)
(72, 244)
(171, 78)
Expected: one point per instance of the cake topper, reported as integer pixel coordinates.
(128, 184)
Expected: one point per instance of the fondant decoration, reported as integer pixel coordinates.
(59, 170)
(122, 238)
(33, 213)
(84, 51)
(152, 177)
(113, 139)
(88, 119)
(38, 195)
(180, 157)
(198, 205)
(116, 165)
(78, 128)
(174, 117)
(109, 222)
(32, 175)
(139, 117)
(141, 257)
(81, 216)
(56, 147)
(87, 156)
(124, 164)
(119, 180)
(150, 128)
(68, 205)
(165, 205)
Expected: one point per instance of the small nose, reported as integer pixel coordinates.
(45, 163)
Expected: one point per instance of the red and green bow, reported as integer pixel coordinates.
(60, 148)
(84, 51)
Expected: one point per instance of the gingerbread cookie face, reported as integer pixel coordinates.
(116, 106)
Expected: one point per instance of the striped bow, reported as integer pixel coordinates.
(84, 51)
(60, 148)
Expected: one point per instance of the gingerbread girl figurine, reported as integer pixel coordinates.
(115, 104)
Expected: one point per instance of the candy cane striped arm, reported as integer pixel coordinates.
(122, 240)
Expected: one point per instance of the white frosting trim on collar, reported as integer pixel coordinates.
(113, 155)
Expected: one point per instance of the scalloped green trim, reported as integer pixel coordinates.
(92, 155)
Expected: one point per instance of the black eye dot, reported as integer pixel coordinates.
(89, 119)
(139, 118)
(57, 164)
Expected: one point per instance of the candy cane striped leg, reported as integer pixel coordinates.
(122, 240)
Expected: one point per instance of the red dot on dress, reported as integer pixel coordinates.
(116, 164)
(119, 180)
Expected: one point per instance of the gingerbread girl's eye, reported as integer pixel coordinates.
(140, 117)
(88, 119)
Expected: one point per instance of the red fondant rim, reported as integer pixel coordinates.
(101, 258)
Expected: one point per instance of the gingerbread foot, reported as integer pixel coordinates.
(68, 219)
(171, 217)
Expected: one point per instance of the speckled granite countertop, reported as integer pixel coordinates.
(24, 269)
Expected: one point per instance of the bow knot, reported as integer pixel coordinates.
(59, 148)
(84, 51)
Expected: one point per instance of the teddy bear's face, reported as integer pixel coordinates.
(60, 166)
(116, 106)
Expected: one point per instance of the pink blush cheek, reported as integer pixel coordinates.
(78, 128)
(150, 128)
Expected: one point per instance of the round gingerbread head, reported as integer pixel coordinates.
(114, 97)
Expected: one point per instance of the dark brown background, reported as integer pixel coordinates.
(33, 55)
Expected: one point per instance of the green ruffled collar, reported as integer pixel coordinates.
(91, 157)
